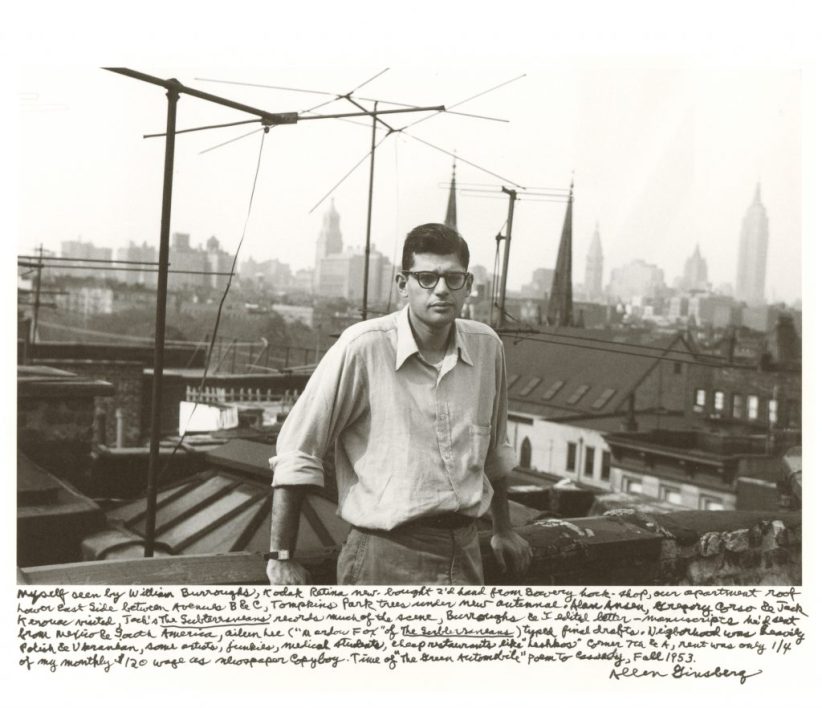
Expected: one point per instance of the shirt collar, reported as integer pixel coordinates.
(407, 345)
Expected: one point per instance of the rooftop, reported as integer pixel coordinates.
(564, 372)
(46, 381)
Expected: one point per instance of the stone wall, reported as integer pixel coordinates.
(625, 547)
(620, 548)
(56, 433)
(127, 379)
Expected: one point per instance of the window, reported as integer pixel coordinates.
(632, 485)
(719, 401)
(552, 389)
(588, 470)
(605, 469)
(672, 495)
(530, 386)
(707, 503)
(677, 367)
(604, 397)
(753, 407)
(579, 393)
(512, 380)
(699, 400)
(738, 405)
(525, 454)
(773, 411)
(571, 457)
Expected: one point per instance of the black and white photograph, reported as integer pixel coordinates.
(397, 346)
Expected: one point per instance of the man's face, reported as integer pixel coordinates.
(439, 306)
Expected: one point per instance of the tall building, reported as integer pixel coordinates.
(217, 261)
(636, 279)
(85, 251)
(340, 273)
(540, 286)
(182, 257)
(561, 302)
(141, 254)
(695, 275)
(329, 242)
(341, 276)
(753, 253)
(271, 273)
(451, 209)
(593, 268)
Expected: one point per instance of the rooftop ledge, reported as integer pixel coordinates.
(622, 547)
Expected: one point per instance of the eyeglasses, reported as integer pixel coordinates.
(429, 279)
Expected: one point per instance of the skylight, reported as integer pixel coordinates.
(552, 390)
(579, 393)
(530, 386)
(604, 397)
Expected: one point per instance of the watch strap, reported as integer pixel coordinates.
(281, 554)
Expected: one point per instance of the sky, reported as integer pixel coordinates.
(665, 155)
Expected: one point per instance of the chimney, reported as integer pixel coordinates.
(731, 344)
(629, 425)
(785, 346)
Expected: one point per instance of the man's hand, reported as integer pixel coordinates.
(286, 572)
(511, 551)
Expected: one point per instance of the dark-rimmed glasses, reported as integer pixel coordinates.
(429, 279)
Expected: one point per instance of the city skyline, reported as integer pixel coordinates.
(663, 158)
(619, 285)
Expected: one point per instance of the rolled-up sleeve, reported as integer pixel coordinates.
(334, 396)
(501, 457)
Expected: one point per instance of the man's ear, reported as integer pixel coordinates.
(402, 284)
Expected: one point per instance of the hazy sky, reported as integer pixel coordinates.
(665, 155)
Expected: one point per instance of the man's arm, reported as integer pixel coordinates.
(510, 549)
(285, 523)
(335, 394)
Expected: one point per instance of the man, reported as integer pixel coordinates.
(415, 404)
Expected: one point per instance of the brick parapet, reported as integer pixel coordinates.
(681, 548)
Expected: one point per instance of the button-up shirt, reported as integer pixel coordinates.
(411, 439)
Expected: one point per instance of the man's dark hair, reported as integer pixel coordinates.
(434, 238)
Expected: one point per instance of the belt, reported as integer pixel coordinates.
(447, 520)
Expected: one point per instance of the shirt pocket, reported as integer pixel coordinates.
(480, 438)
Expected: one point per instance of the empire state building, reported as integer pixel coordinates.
(753, 253)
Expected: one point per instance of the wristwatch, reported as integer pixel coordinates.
(282, 555)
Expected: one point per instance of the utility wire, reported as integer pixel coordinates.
(87, 260)
(205, 127)
(465, 100)
(680, 357)
(368, 81)
(228, 142)
(576, 337)
(462, 159)
(120, 268)
(216, 328)
(347, 174)
(307, 110)
(336, 96)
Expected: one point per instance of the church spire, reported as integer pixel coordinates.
(451, 209)
(561, 304)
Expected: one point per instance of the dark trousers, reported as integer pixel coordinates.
(412, 555)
